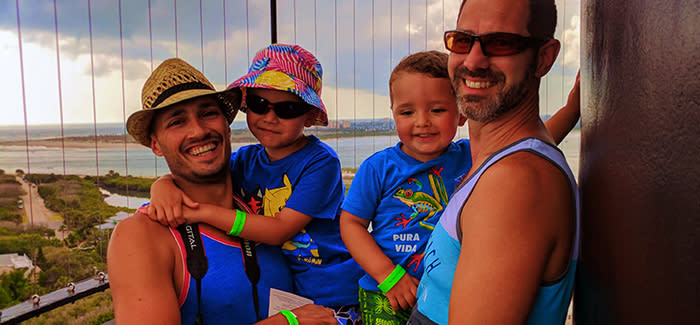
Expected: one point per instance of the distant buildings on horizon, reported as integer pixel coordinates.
(383, 124)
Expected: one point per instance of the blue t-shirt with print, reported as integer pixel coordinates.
(404, 198)
(308, 181)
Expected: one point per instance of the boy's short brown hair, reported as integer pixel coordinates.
(431, 63)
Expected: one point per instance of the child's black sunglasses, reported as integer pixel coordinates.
(493, 44)
(283, 110)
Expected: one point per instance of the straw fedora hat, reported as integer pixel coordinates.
(174, 81)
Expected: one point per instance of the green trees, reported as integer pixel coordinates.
(24, 243)
(13, 288)
(136, 186)
(83, 252)
(10, 192)
(63, 266)
(78, 200)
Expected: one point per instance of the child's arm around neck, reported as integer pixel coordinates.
(171, 207)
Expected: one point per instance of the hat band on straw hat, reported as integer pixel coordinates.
(178, 88)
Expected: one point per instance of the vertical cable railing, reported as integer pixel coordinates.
(273, 21)
(443, 15)
(177, 48)
(223, 10)
(24, 107)
(315, 28)
(563, 53)
(391, 42)
(400, 15)
(409, 26)
(247, 33)
(294, 14)
(201, 34)
(121, 56)
(92, 80)
(374, 129)
(354, 86)
(60, 92)
(426, 26)
(337, 89)
(150, 51)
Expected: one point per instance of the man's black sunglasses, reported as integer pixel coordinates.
(283, 110)
(493, 44)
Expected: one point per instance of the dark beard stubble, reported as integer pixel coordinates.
(481, 109)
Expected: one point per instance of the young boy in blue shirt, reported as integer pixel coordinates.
(402, 190)
(292, 182)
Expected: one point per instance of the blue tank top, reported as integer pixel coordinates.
(442, 252)
(226, 291)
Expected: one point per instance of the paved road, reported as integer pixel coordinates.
(37, 212)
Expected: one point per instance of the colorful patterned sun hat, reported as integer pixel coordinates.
(288, 68)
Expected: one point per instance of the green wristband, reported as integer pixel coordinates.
(291, 318)
(238, 223)
(392, 279)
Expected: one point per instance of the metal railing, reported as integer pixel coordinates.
(37, 305)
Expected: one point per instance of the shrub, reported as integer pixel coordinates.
(10, 216)
(10, 190)
(137, 186)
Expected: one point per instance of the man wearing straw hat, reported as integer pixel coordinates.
(153, 269)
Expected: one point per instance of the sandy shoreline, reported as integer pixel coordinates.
(118, 142)
(69, 144)
(73, 144)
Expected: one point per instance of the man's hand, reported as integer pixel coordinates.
(315, 314)
(403, 294)
(308, 315)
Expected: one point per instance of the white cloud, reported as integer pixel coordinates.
(352, 103)
(41, 85)
(41, 74)
(10, 79)
(572, 43)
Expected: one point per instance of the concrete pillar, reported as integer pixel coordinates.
(640, 163)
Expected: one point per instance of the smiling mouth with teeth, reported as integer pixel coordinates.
(478, 84)
(198, 151)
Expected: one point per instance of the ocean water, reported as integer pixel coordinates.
(119, 200)
(43, 131)
(142, 162)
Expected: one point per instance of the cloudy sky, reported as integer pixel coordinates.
(80, 61)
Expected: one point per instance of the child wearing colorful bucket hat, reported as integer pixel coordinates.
(291, 181)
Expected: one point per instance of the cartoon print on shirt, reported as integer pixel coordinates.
(421, 202)
(423, 207)
(301, 246)
(416, 259)
(275, 199)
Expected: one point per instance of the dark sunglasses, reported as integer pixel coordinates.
(283, 110)
(494, 44)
